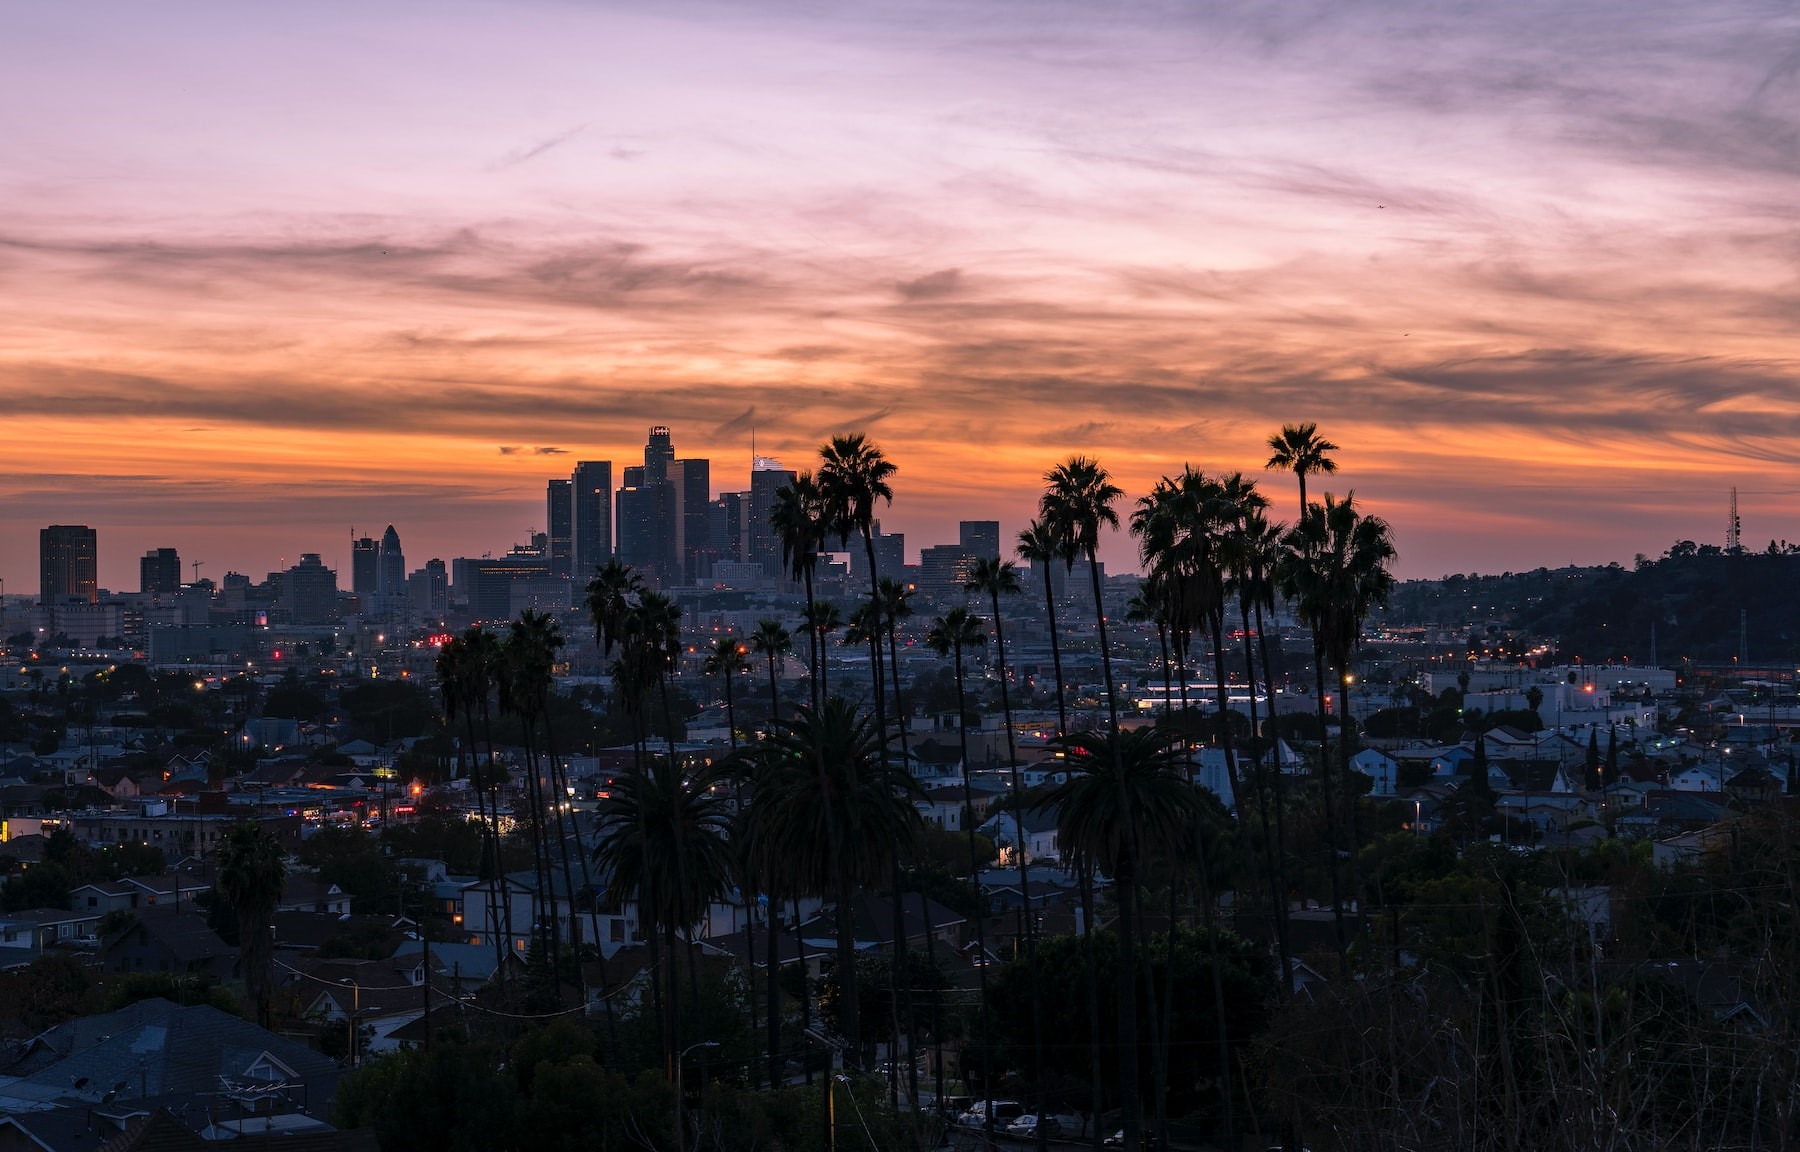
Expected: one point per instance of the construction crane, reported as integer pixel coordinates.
(197, 564)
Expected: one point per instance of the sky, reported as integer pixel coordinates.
(268, 272)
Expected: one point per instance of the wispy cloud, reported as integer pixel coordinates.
(530, 152)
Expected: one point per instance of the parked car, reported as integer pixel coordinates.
(1061, 1124)
(1116, 1140)
(1005, 1112)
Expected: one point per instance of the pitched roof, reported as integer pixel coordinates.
(155, 1048)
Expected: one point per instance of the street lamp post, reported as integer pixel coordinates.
(355, 1009)
(678, 1059)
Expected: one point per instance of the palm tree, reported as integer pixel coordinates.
(726, 658)
(1336, 571)
(526, 673)
(611, 595)
(996, 578)
(1298, 448)
(252, 868)
(1252, 550)
(952, 634)
(821, 621)
(895, 607)
(798, 519)
(1078, 502)
(855, 476)
(1125, 801)
(859, 807)
(772, 640)
(665, 841)
(1042, 544)
(464, 682)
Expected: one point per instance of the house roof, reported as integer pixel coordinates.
(155, 1048)
(182, 932)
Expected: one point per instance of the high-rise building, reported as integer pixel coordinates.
(944, 569)
(890, 555)
(659, 454)
(365, 568)
(592, 513)
(68, 564)
(727, 525)
(159, 572)
(308, 592)
(390, 570)
(767, 477)
(428, 589)
(980, 538)
(691, 481)
(559, 523)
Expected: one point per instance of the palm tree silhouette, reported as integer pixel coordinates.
(953, 634)
(798, 519)
(855, 476)
(994, 578)
(822, 619)
(771, 641)
(1125, 802)
(665, 841)
(726, 658)
(858, 805)
(252, 868)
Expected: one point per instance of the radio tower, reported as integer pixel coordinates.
(1733, 528)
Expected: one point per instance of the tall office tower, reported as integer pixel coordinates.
(980, 538)
(559, 521)
(390, 570)
(691, 482)
(767, 477)
(365, 568)
(308, 592)
(890, 556)
(592, 519)
(724, 518)
(68, 564)
(159, 571)
(428, 589)
(659, 453)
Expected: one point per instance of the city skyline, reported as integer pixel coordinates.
(278, 275)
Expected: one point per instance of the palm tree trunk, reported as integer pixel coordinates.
(1097, 1085)
(1279, 787)
(559, 789)
(772, 972)
(1277, 889)
(1221, 1032)
(812, 644)
(490, 851)
(962, 732)
(805, 992)
(1216, 625)
(1346, 725)
(500, 881)
(906, 988)
(540, 850)
(1125, 896)
(1128, 1038)
(774, 696)
(1027, 922)
(1331, 824)
(1062, 708)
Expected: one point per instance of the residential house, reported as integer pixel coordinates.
(1382, 770)
(1036, 833)
(28, 935)
(164, 939)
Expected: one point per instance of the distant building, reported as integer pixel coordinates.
(390, 570)
(68, 564)
(428, 589)
(307, 591)
(365, 568)
(728, 529)
(592, 517)
(980, 538)
(767, 477)
(691, 481)
(559, 524)
(944, 569)
(159, 572)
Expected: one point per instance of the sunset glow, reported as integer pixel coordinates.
(273, 272)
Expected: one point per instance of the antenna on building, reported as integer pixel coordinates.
(1734, 528)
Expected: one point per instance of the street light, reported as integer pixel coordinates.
(678, 1059)
(355, 1008)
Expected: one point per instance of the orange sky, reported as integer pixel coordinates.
(272, 274)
